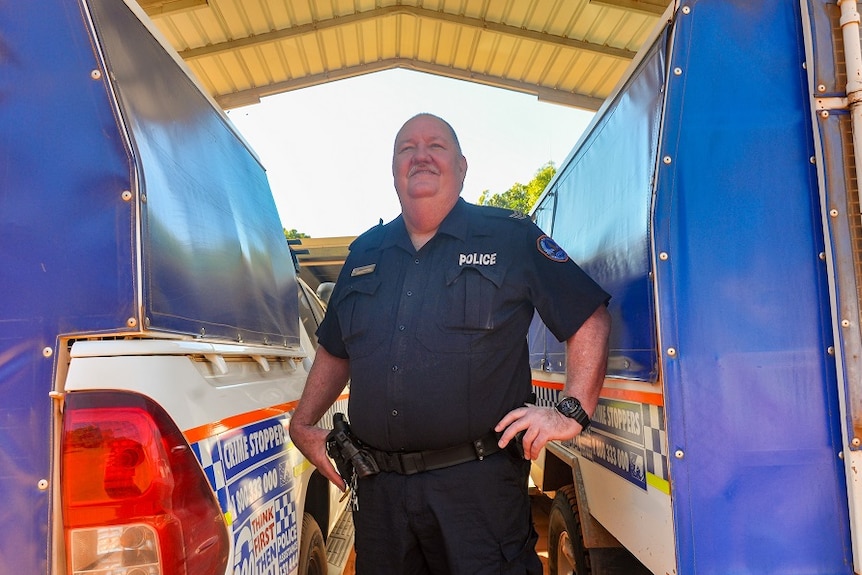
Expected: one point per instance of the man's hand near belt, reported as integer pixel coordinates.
(326, 381)
(586, 364)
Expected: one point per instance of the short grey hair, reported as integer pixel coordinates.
(445, 123)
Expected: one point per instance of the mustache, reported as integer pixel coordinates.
(422, 168)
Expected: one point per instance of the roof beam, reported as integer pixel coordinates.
(164, 7)
(641, 6)
(313, 27)
(253, 95)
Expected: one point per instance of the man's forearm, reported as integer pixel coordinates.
(326, 380)
(587, 359)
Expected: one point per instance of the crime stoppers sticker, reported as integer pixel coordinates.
(551, 249)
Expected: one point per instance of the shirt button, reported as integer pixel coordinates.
(409, 293)
(401, 328)
(416, 261)
(394, 368)
(394, 413)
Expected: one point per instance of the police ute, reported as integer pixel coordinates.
(154, 337)
(716, 197)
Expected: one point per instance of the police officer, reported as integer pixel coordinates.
(428, 320)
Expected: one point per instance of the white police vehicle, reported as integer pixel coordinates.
(151, 346)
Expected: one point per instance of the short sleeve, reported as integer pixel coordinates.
(329, 334)
(563, 294)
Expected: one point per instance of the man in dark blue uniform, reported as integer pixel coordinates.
(428, 320)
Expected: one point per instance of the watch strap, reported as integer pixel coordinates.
(571, 407)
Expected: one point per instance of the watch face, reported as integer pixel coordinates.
(571, 407)
(568, 406)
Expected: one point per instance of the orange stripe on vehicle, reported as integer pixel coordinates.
(210, 429)
(633, 395)
(613, 393)
(196, 434)
(547, 384)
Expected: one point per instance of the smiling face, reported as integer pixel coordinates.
(427, 165)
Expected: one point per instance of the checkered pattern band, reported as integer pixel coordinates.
(285, 513)
(655, 440)
(208, 453)
(654, 434)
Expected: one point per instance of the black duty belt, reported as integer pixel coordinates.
(408, 463)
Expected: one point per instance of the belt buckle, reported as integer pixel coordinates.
(411, 463)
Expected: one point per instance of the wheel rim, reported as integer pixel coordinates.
(565, 555)
(317, 564)
(315, 568)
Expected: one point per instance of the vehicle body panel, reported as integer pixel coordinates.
(236, 422)
(140, 250)
(720, 221)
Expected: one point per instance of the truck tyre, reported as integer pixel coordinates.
(566, 552)
(312, 550)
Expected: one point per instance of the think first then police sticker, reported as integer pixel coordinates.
(551, 249)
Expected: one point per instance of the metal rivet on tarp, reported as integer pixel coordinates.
(96, 74)
(131, 322)
(671, 351)
(677, 71)
(663, 256)
(126, 195)
(666, 160)
(686, 10)
(855, 442)
(42, 484)
(679, 454)
(47, 351)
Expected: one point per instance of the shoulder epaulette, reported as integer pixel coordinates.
(369, 238)
(506, 213)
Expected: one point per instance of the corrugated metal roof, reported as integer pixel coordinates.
(570, 52)
(320, 259)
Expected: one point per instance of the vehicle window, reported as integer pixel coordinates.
(310, 313)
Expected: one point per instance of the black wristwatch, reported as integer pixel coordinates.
(571, 408)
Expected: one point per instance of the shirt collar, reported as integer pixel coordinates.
(454, 224)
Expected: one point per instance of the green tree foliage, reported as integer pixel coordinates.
(521, 197)
(294, 235)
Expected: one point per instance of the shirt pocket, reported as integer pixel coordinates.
(470, 295)
(359, 313)
(461, 315)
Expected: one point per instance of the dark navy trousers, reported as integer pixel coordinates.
(469, 519)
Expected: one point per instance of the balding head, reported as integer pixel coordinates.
(428, 169)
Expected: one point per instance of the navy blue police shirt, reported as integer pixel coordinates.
(436, 339)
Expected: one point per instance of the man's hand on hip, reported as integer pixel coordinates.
(540, 425)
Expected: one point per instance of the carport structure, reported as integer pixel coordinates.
(570, 52)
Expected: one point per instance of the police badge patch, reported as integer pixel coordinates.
(551, 249)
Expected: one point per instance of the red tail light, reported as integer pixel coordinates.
(135, 500)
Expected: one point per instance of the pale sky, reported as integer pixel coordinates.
(328, 149)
